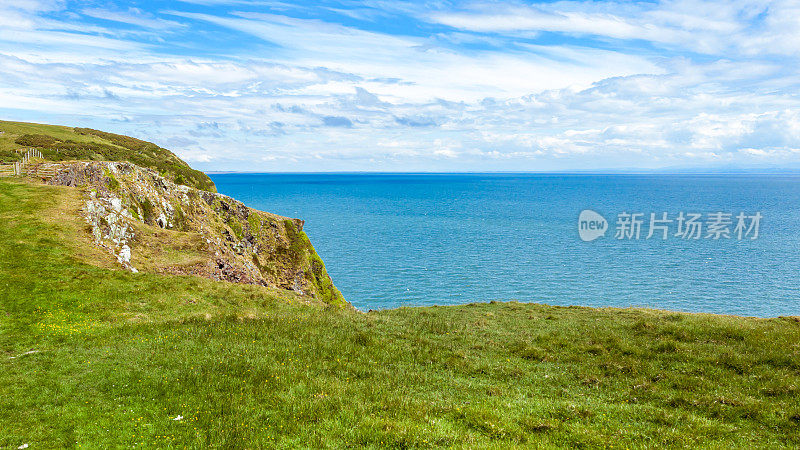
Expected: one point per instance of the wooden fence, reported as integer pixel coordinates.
(23, 166)
(7, 170)
(26, 159)
(42, 170)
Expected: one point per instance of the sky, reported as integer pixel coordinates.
(377, 85)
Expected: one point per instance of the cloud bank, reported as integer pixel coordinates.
(402, 86)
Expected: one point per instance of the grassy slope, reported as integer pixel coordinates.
(118, 355)
(88, 144)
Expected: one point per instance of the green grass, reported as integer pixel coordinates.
(58, 143)
(117, 356)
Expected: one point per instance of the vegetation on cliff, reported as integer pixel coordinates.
(152, 212)
(151, 224)
(59, 143)
(101, 358)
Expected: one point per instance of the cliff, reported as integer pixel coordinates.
(59, 143)
(152, 224)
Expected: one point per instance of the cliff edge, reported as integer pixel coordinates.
(152, 224)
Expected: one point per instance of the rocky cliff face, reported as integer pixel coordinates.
(152, 224)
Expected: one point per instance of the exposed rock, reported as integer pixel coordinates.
(243, 245)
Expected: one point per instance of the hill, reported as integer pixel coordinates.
(96, 357)
(58, 143)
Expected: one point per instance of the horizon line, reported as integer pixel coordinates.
(522, 172)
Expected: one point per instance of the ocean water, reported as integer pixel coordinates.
(391, 240)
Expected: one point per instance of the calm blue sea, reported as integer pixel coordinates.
(390, 240)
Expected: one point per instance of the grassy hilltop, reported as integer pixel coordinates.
(91, 356)
(59, 143)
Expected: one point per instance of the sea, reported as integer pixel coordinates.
(720, 243)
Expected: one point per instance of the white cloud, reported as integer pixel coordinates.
(132, 16)
(711, 27)
(428, 72)
(319, 95)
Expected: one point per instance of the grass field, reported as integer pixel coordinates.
(94, 357)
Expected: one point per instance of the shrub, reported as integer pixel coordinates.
(117, 148)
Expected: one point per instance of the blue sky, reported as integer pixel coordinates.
(417, 86)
